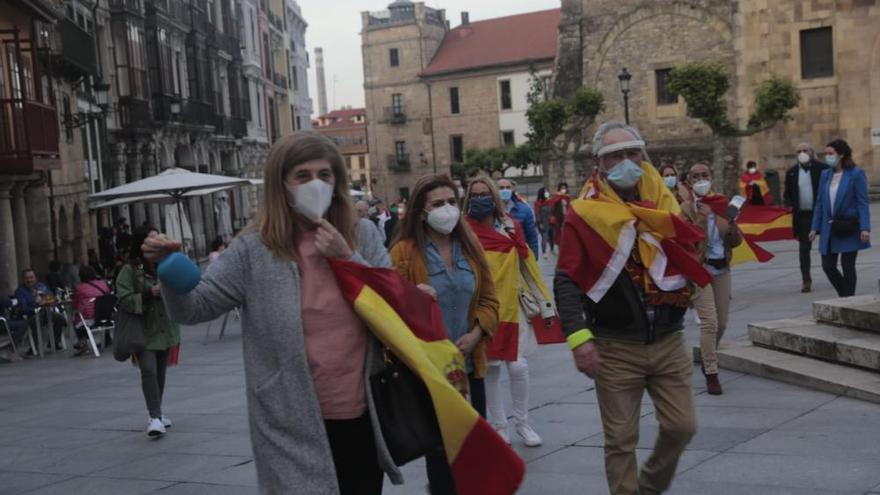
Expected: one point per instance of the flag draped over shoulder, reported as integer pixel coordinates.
(757, 223)
(409, 323)
(505, 256)
(748, 180)
(604, 229)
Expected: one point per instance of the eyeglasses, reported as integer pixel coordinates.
(699, 175)
(481, 195)
(505, 187)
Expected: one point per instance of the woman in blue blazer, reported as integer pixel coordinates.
(841, 217)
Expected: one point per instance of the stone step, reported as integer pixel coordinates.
(801, 370)
(818, 340)
(858, 312)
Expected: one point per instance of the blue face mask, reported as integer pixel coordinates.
(481, 208)
(831, 160)
(506, 194)
(625, 174)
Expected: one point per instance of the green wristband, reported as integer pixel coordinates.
(579, 338)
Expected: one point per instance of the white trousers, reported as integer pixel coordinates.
(519, 392)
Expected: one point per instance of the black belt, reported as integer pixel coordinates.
(720, 263)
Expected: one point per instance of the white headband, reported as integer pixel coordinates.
(626, 145)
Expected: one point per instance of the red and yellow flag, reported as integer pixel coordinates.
(757, 223)
(505, 255)
(408, 322)
(747, 180)
(604, 230)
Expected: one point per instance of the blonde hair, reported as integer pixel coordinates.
(500, 212)
(278, 223)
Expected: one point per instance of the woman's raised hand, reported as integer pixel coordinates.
(330, 242)
(157, 247)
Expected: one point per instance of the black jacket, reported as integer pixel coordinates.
(620, 315)
(791, 195)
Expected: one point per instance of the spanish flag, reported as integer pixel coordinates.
(505, 255)
(604, 230)
(746, 183)
(766, 223)
(409, 323)
(757, 223)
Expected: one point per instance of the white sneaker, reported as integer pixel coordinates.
(528, 435)
(155, 428)
(165, 421)
(503, 433)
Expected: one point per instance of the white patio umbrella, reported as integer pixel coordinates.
(173, 184)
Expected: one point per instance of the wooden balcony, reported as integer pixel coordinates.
(29, 137)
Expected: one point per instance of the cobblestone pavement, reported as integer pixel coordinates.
(75, 425)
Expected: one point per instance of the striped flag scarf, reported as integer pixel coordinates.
(408, 322)
(604, 230)
(505, 256)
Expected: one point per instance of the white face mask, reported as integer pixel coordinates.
(803, 158)
(702, 188)
(670, 181)
(752, 170)
(444, 219)
(312, 199)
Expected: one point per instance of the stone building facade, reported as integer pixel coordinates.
(433, 92)
(347, 127)
(397, 45)
(829, 49)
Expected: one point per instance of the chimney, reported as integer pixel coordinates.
(465, 19)
(322, 85)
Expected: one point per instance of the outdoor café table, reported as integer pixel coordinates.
(48, 308)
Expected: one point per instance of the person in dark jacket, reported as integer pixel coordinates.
(801, 191)
(519, 210)
(841, 217)
(625, 331)
(542, 220)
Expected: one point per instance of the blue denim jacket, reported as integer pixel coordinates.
(455, 290)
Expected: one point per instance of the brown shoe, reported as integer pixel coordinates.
(713, 386)
(808, 286)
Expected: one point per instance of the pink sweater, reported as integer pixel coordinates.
(84, 297)
(336, 339)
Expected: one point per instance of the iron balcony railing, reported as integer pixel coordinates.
(29, 136)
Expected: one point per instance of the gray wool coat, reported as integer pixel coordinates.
(291, 450)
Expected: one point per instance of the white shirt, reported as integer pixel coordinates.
(805, 189)
(714, 245)
(832, 190)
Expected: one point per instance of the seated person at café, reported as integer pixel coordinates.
(32, 294)
(87, 291)
(18, 326)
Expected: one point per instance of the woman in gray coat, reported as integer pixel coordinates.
(307, 355)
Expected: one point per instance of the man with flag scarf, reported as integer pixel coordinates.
(708, 211)
(622, 288)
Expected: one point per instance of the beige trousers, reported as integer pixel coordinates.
(713, 305)
(627, 370)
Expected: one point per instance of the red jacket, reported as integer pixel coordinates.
(85, 294)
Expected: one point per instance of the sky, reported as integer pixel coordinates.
(335, 26)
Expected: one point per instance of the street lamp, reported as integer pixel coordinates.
(624, 78)
(102, 93)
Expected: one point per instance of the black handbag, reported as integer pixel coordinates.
(405, 411)
(129, 336)
(844, 226)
